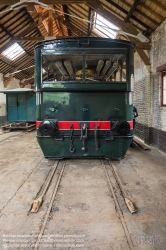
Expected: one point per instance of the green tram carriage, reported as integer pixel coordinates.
(84, 97)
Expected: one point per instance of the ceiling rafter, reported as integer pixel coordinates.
(15, 15)
(11, 36)
(58, 17)
(127, 5)
(127, 27)
(39, 10)
(132, 17)
(23, 33)
(98, 7)
(22, 64)
(64, 6)
(74, 11)
(11, 2)
(90, 18)
(50, 21)
(75, 30)
(143, 6)
(131, 11)
(159, 4)
(142, 14)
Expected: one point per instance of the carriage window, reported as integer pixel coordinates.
(85, 67)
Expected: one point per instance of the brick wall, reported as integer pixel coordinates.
(2, 102)
(151, 122)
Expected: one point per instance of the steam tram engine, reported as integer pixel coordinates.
(84, 97)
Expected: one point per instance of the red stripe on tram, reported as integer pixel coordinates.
(131, 124)
(65, 125)
(101, 125)
(38, 124)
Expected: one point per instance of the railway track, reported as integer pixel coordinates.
(113, 182)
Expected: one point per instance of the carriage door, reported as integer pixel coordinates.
(12, 110)
(31, 107)
(21, 106)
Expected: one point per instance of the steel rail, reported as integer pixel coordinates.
(38, 202)
(125, 228)
(49, 208)
(129, 203)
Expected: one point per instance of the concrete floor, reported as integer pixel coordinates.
(84, 215)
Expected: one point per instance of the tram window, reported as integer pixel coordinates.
(63, 67)
(87, 67)
(106, 67)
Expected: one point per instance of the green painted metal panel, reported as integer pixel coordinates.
(60, 149)
(84, 106)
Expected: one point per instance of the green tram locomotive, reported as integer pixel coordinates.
(84, 97)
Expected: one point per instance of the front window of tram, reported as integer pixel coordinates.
(88, 67)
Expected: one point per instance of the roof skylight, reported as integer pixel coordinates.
(103, 27)
(13, 51)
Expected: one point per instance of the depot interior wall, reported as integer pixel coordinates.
(2, 102)
(151, 123)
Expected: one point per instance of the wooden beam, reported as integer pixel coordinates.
(59, 28)
(158, 4)
(30, 7)
(11, 36)
(28, 38)
(144, 46)
(131, 11)
(143, 56)
(74, 29)
(58, 17)
(90, 18)
(21, 34)
(66, 18)
(127, 27)
(132, 17)
(10, 2)
(39, 10)
(142, 14)
(98, 7)
(161, 68)
(4, 60)
(22, 64)
(150, 11)
(50, 22)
